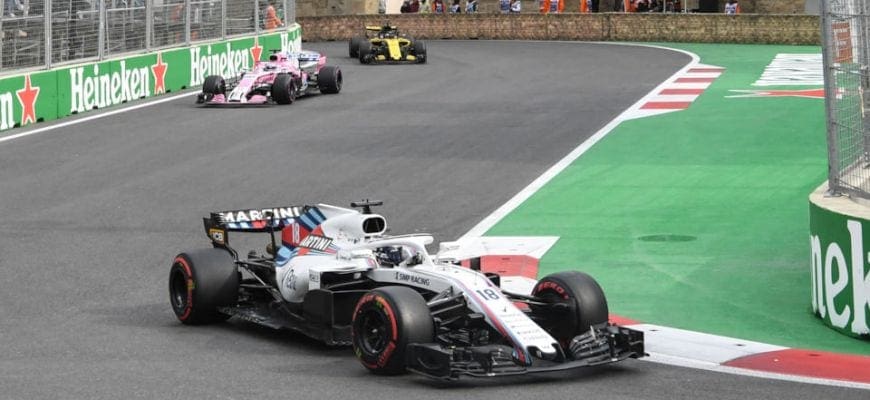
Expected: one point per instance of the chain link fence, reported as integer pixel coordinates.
(846, 60)
(42, 33)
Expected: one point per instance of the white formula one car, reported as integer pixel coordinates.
(337, 277)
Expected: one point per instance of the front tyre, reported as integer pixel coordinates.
(200, 282)
(284, 89)
(585, 304)
(353, 46)
(420, 51)
(214, 84)
(329, 79)
(385, 322)
(365, 52)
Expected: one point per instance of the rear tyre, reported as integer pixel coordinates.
(329, 79)
(365, 52)
(385, 321)
(214, 84)
(284, 89)
(585, 301)
(353, 46)
(420, 51)
(200, 282)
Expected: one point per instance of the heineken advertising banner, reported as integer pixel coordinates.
(23, 99)
(840, 270)
(47, 95)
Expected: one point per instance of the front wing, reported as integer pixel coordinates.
(599, 346)
(385, 60)
(220, 100)
(393, 52)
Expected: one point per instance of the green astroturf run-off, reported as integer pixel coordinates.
(698, 219)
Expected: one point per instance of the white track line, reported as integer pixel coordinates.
(147, 103)
(671, 359)
(682, 98)
(708, 366)
(697, 346)
(490, 221)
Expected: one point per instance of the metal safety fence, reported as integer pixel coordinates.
(846, 60)
(43, 33)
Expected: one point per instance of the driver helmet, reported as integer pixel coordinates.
(392, 255)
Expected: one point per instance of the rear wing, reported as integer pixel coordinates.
(218, 224)
(377, 28)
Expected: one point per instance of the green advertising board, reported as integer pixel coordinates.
(25, 99)
(52, 94)
(840, 266)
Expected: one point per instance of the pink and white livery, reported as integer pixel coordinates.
(281, 79)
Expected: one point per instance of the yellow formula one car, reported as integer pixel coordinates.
(384, 44)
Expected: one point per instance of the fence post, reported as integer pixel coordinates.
(47, 37)
(101, 36)
(834, 187)
(223, 19)
(187, 21)
(863, 46)
(149, 23)
(257, 17)
(289, 12)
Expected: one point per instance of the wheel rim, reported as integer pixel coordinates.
(178, 289)
(556, 326)
(374, 333)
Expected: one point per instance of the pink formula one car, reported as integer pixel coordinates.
(280, 80)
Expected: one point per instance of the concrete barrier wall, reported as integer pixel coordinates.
(696, 28)
(840, 267)
(310, 8)
(46, 95)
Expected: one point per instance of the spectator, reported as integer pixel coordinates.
(406, 7)
(516, 7)
(470, 6)
(415, 6)
(438, 6)
(382, 6)
(732, 7)
(641, 6)
(552, 6)
(425, 7)
(455, 8)
(504, 6)
(271, 20)
(12, 6)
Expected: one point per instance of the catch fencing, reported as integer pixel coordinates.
(39, 34)
(846, 60)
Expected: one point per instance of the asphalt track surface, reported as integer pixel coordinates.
(93, 213)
